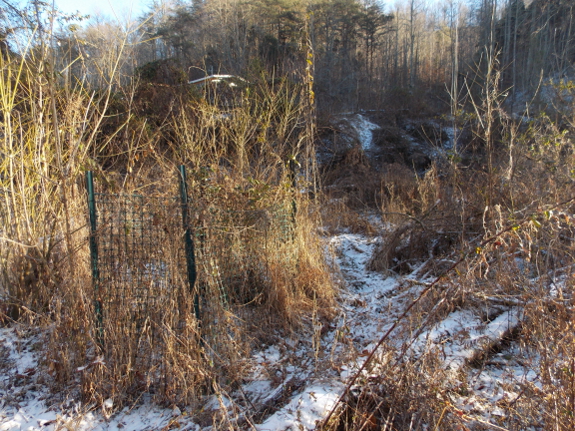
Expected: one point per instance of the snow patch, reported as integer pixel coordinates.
(364, 129)
(305, 410)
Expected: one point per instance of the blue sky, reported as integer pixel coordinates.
(110, 8)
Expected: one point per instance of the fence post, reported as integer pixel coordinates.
(94, 256)
(293, 177)
(190, 258)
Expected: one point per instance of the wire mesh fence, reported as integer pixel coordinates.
(141, 264)
(138, 267)
(231, 248)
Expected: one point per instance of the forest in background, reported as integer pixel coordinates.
(491, 219)
(365, 53)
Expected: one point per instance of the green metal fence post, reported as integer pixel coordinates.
(94, 255)
(190, 258)
(293, 177)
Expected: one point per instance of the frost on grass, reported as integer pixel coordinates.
(294, 383)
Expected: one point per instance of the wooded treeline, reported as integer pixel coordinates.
(363, 54)
(113, 97)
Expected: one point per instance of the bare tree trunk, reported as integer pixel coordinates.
(454, 58)
(411, 43)
(529, 72)
(567, 42)
(514, 60)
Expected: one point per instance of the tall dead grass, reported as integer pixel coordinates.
(495, 234)
(258, 259)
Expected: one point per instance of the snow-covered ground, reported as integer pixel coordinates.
(364, 130)
(294, 384)
(355, 128)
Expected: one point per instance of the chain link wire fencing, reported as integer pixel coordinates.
(138, 266)
(149, 279)
(176, 275)
(232, 248)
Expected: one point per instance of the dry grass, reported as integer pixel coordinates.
(400, 396)
(431, 217)
(497, 236)
(259, 262)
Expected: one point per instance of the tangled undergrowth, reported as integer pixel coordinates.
(259, 266)
(490, 236)
(480, 238)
